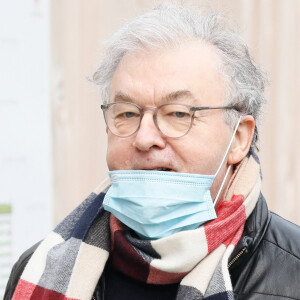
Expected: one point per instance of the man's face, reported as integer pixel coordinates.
(186, 75)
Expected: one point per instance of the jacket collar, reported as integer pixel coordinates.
(254, 230)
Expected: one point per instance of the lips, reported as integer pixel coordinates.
(160, 169)
(155, 165)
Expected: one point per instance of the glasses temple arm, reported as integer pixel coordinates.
(197, 108)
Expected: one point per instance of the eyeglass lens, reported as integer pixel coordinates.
(173, 120)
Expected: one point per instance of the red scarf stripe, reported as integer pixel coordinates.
(231, 215)
(125, 258)
(128, 261)
(234, 240)
(28, 291)
(115, 225)
(23, 290)
(162, 277)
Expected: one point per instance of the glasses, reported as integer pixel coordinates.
(123, 119)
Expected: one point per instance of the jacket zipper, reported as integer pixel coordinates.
(236, 257)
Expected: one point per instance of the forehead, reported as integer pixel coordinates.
(188, 73)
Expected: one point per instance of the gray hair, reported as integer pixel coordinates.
(169, 25)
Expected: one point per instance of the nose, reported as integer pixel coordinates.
(148, 135)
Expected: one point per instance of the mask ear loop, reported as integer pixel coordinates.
(228, 169)
(103, 186)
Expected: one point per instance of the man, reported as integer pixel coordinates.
(183, 217)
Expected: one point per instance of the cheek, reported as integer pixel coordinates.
(198, 153)
(118, 153)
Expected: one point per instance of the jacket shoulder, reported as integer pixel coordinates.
(17, 271)
(284, 234)
(271, 269)
(274, 269)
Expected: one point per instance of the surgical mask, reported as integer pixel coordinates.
(156, 204)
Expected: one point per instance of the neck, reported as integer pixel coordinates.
(216, 187)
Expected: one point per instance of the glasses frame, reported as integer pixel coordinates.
(192, 109)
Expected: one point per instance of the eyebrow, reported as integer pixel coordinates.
(179, 95)
(169, 98)
(120, 96)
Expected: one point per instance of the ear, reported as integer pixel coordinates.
(106, 130)
(242, 140)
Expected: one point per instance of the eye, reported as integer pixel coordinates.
(129, 114)
(180, 114)
(174, 112)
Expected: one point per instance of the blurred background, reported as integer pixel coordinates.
(52, 134)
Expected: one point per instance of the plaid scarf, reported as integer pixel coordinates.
(69, 262)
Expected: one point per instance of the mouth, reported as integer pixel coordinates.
(160, 169)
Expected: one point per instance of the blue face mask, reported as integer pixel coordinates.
(156, 204)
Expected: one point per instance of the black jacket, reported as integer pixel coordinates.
(264, 265)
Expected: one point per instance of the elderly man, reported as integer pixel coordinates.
(183, 217)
